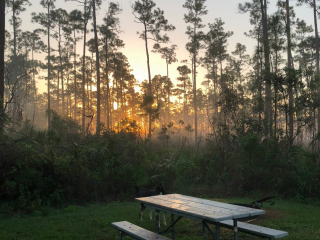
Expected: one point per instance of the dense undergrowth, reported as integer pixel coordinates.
(60, 166)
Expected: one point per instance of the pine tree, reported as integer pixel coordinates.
(196, 9)
(154, 23)
(110, 35)
(169, 55)
(95, 5)
(45, 20)
(2, 46)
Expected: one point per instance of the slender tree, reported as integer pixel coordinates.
(95, 5)
(290, 66)
(86, 15)
(2, 46)
(36, 45)
(169, 54)
(45, 20)
(196, 9)
(61, 18)
(75, 21)
(184, 84)
(110, 31)
(154, 23)
(261, 7)
(16, 6)
(313, 5)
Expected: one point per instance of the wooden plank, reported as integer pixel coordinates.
(182, 208)
(240, 209)
(137, 232)
(237, 214)
(181, 214)
(229, 207)
(255, 230)
(206, 202)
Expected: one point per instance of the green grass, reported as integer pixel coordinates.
(93, 222)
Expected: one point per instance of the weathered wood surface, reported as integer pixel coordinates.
(137, 232)
(199, 208)
(255, 230)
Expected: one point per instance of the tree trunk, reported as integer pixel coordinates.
(83, 69)
(61, 72)
(108, 86)
(149, 76)
(290, 82)
(2, 45)
(34, 87)
(49, 75)
(14, 71)
(168, 104)
(75, 74)
(317, 61)
(268, 109)
(259, 67)
(195, 87)
(97, 65)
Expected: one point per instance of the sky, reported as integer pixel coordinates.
(134, 49)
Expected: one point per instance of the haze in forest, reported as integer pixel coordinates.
(190, 74)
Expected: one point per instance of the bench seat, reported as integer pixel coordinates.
(255, 230)
(137, 232)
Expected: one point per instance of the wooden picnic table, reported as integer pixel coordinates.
(202, 210)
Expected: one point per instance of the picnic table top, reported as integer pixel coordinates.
(198, 208)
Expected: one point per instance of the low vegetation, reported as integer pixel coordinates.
(60, 166)
(93, 222)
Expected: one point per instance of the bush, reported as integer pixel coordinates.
(60, 166)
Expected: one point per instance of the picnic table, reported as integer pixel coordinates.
(202, 210)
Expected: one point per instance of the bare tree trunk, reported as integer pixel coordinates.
(290, 84)
(35, 110)
(2, 45)
(14, 70)
(97, 65)
(149, 75)
(184, 101)
(108, 86)
(259, 67)
(317, 61)
(83, 69)
(268, 109)
(75, 74)
(49, 75)
(61, 72)
(168, 104)
(195, 98)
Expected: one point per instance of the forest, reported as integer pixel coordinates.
(251, 124)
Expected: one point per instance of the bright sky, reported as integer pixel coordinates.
(173, 10)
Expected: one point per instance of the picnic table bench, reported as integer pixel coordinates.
(255, 230)
(136, 232)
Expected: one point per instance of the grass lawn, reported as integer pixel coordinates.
(93, 222)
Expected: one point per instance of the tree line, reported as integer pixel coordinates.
(274, 91)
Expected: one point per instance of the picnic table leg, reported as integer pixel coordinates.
(215, 235)
(172, 229)
(157, 221)
(235, 229)
(203, 231)
(218, 231)
(120, 235)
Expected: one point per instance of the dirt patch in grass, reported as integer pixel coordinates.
(271, 213)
